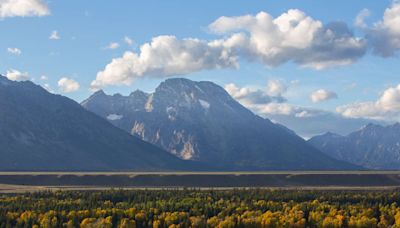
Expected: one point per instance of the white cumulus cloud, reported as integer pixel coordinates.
(16, 75)
(165, 56)
(384, 36)
(387, 107)
(305, 121)
(68, 85)
(14, 51)
(293, 36)
(23, 8)
(308, 122)
(359, 21)
(128, 40)
(276, 87)
(322, 95)
(251, 97)
(113, 45)
(262, 101)
(275, 109)
(54, 35)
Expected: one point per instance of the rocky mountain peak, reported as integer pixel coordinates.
(371, 126)
(4, 80)
(44, 131)
(331, 135)
(138, 93)
(98, 93)
(374, 146)
(201, 88)
(201, 121)
(184, 94)
(97, 96)
(176, 83)
(395, 126)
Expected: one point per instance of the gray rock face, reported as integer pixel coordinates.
(200, 121)
(373, 146)
(42, 131)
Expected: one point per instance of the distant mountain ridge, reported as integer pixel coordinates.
(200, 121)
(40, 131)
(374, 146)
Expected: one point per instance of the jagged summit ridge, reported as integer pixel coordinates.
(201, 121)
(373, 146)
(41, 131)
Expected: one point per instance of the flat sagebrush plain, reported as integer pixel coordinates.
(26, 181)
(201, 208)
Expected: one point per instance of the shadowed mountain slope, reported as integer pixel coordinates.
(43, 131)
(374, 146)
(200, 121)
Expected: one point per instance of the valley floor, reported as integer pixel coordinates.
(357, 180)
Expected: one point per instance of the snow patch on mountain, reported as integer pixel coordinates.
(204, 104)
(113, 117)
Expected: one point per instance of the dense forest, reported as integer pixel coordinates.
(201, 208)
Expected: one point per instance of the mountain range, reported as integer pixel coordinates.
(200, 121)
(47, 132)
(374, 146)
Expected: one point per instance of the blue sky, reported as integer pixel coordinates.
(86, 30)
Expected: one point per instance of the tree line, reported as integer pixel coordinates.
(201, 208)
